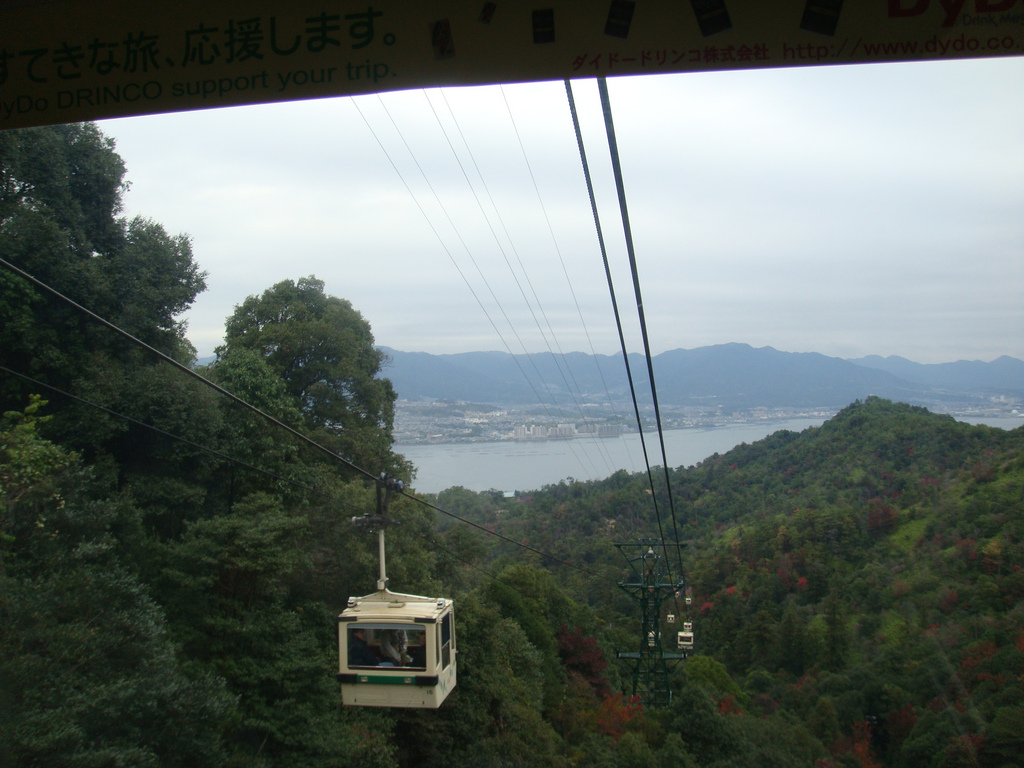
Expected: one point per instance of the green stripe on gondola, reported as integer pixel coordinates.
(383, 680)
(422, 680)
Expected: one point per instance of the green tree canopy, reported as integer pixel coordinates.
(61, 193)
(323, 350)
(89, 674)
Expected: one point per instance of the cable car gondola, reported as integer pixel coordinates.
(685, 638)
(395, 650)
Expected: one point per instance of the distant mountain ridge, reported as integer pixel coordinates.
(1003, 373)
(732, 376)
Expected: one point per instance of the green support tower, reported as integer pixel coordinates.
(651, 586)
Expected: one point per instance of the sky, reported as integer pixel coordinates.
(848, 210)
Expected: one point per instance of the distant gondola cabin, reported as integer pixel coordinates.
(396, 650)
(685, 638)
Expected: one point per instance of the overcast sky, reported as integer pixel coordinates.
(854, 210)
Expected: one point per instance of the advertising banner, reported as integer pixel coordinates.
(71, 60)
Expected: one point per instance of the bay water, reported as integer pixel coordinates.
(524, 465)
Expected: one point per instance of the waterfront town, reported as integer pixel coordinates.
(427, 422)
(419, 423)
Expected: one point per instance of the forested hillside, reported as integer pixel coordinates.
(861, 581)
(173, 563)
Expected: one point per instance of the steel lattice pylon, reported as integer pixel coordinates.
(650, 586)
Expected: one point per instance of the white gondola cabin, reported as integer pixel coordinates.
(396, 650)
(684, 639)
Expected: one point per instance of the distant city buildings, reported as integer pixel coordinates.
(438, 421)
(435, 421)
(565, 431)
(419, 422)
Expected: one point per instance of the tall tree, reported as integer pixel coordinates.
(61, 193)
(323, 349)
(88, 672)
(60, 202)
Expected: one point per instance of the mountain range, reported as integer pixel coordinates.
(731, 376)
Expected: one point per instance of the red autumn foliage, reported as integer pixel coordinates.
(901, 722)
(807, 677)
(999, 679)
(949, 601)
(881, 517)
(582, 655)
(862, 744)
(983, 471)
(967, 548)
(962, 750)
(615, 713)
(858, 745)
(728, 706)
(975, 656)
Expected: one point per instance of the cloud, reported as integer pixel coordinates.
(872, 209)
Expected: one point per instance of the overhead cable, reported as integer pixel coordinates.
(189, 371)
(234, 398)
(527, 547)
(573, 389)
(620, 187)
(615, 303)
(226, 457)
(558, 252)
(157, 430)
(451, 257)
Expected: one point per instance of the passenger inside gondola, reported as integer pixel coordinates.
(359, 653)
(387, 646)
(394, 647)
